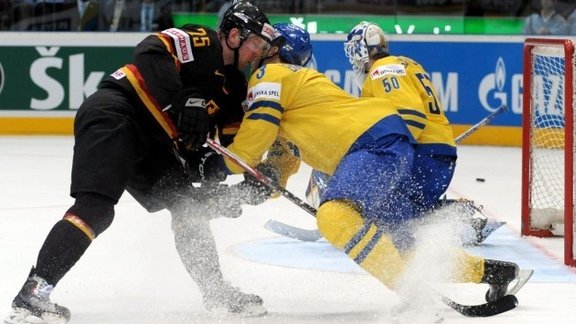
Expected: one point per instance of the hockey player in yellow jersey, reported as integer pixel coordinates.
(406, 83)
(362, 143)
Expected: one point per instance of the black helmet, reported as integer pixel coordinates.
(249, 19)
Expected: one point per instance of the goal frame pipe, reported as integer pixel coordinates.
(526, 228)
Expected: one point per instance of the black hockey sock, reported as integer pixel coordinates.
(64, 246)
(499, 272)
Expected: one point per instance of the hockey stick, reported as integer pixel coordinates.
(294, 232)
(487, 309)
(495, 307)
(491, 308)
(481, 123)
(313, 235)
(261, 177)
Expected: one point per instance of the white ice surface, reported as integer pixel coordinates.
(132, 273)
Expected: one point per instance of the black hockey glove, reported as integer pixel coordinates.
(191, 117)
(208, 165)
(254, 191)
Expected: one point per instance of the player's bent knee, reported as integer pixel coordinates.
(91, 213)
(338, 222)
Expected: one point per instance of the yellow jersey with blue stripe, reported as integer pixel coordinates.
(406, 83)
(308, 110)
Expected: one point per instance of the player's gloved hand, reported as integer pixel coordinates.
(220, 200)
(254, 191)
(206, 165)
(173, 187)
(191, 117)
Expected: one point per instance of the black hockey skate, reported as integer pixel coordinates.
(498, 274)
(33, 305)
(230, 300)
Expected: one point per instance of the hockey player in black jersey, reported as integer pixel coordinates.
(136, 133)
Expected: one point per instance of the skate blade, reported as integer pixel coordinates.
(252, 311)
(523, 276)
(24, 316)
(17, 316)
(249, 312)
(53, 319)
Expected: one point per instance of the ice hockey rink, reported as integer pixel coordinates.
(132, 273)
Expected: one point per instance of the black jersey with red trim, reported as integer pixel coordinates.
(175, 59)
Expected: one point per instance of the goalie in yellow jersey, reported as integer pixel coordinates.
(362, 143)
(406, 83)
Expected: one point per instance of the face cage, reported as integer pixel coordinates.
(357, 55)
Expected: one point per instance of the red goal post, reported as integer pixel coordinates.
(548, 141)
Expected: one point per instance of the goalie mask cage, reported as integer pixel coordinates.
(548, 141)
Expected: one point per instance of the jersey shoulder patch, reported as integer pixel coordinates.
(193, 37)
(182, 44)
(388, 69)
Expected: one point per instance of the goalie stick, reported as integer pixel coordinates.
(498, 306)
(481, 123)
(313, 235)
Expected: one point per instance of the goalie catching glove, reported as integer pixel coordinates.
(191, 118)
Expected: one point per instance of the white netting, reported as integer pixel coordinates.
(547, 136)
(546, 50)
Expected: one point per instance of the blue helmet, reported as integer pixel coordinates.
(293, 43)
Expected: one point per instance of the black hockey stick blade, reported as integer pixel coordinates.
(488, 309)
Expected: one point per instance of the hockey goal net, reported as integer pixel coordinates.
(548, 141)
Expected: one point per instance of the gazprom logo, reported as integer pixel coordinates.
(491, 92)
(500, 74)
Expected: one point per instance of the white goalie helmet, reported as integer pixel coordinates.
(366, 40)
